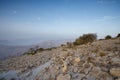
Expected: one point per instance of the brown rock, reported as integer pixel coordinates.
(115, 72)
(63, 77)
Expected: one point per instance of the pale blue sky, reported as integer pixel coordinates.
(52, 19)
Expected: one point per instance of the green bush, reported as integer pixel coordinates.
(108, 37)
(86, 38)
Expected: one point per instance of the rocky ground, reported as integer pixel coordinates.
(99, 60)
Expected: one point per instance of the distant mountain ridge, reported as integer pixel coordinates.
(7, 51)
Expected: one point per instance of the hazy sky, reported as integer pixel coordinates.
(24, 19)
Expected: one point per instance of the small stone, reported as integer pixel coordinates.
(90, 77)
(105, 76)
(53, 70)
(77, 76)
(87, 70)
(86, 65)
(104, 69)
(96, 71)
(64, 69)
(75, 69)
(115, 72)
(77, 60)
(63, 77)
(115, 61)
(63, 54)
(46, 76)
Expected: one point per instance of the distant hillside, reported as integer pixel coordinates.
(11, 50)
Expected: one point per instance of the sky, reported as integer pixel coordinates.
(53, 19)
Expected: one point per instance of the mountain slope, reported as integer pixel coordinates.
(97, 60)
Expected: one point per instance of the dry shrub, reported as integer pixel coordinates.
(69, 44)
(31, 51)
(40, 49)
(108, 37)
(102, 54)
(90, 59)
(118, 35)
(86, 38)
